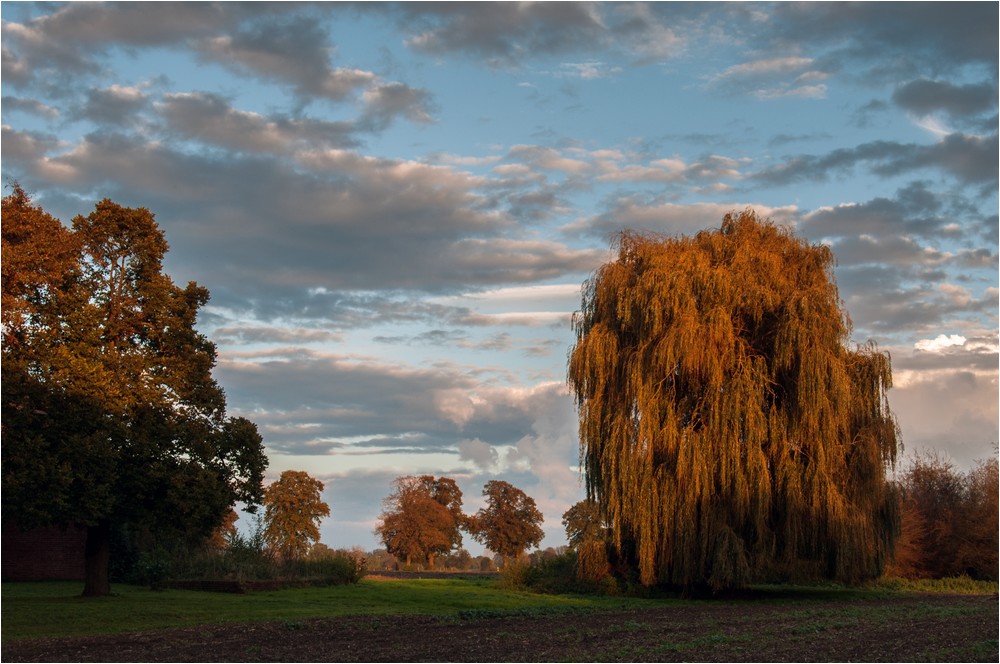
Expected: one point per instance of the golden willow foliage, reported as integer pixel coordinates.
(725, 427)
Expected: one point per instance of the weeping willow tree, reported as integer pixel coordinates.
(726, 427)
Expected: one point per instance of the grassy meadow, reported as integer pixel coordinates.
(48, 609)
(52, 609)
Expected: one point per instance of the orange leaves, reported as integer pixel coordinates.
(719, 407)
(293, 510)
(509, 523)
(422, 518)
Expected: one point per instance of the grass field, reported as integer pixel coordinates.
(476, 620)
(33, 610)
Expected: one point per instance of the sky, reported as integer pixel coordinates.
(394, 206)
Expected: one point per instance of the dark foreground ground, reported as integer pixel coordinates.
(904, 628)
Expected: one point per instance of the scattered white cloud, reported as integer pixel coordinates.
(940, 342)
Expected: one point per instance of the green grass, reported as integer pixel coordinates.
(34, 610)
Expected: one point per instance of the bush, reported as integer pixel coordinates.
(516, 575)
(949, 520)
(558, 574)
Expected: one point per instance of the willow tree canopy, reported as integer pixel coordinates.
(726, 428)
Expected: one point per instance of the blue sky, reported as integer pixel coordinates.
(394, 205)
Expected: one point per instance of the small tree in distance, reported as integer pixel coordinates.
(422, 518)
(509, 524)
(726, 428)
(293, 509)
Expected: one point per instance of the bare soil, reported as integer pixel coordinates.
(905, 628)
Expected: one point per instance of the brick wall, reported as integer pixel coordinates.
(54, 553)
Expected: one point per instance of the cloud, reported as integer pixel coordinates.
(252, 334)
(923, 97)
(311, 400)
(952, 410)
(547, 158)
(551, 451)
(879, 42)
(587, 70)
(57, 50)
(668, 218)
(295, 52)
(347, 222)
(28, 147)
(896, 309)
(940, 342)
(12, 104)
(970, 159)
(483, 455)
(915, 210)
(507, 34)
(210, 119)
(502, 33)
(773, 78)
(383, 102)
(115, 105)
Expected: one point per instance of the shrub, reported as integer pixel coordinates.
(949, 520)
(516, 574)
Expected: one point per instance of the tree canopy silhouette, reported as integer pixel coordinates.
(110, 412)
(726, 428)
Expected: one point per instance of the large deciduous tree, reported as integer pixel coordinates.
(726, 427)
(509, 523)
(293, 509)
(110, 412)
(422, 518)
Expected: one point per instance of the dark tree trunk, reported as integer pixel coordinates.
(97, 553)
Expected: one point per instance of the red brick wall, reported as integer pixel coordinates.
(43, 554)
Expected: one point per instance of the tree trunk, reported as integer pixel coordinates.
(430, 562)
(97, 553)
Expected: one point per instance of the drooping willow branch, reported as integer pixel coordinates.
(726, 427)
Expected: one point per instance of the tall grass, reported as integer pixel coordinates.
(959, 585)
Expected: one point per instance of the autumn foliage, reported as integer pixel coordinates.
(111, 416)
(949, 520)
(293, 508)
(422, 518)
(509, 523)
(726, 428)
